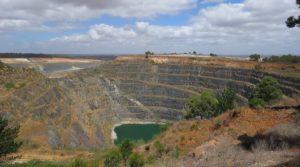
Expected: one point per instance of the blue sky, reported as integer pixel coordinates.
(133, 26)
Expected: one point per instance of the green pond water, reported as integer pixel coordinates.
(137, 132)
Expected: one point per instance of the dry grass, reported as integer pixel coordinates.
(235, 123)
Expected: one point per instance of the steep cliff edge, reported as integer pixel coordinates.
(80, 109)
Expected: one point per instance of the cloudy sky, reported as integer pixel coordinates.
(134, 26)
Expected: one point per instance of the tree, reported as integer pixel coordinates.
(136, 160)
(292, 21)
(266, 91)
(204, 105)
(8, 135)
(148, 53)
(254, 57)
(113, 158)
(126, 148)
(226, 100)
(213, 55)
(194, 53)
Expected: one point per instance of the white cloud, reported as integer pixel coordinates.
(37, 12)
(103, 31)
(252, 26)
(212, 1)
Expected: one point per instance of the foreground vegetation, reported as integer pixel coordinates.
(8, 142)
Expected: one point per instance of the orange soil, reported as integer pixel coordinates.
(248, 121)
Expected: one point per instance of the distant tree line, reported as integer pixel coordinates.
(276, 59)
(283, 59)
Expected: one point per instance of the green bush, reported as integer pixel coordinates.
(136, 160)
(265, 92)
(267, 89)
(204, 105)
(126, 148)
(160, 148)
(150, 159)
(79, 163)
(257, 102)
(175, 153)
(226, 100)
(113, 158)
(9, 85)
(217, 123)
(8, 136)
(207, 105)
(194, 127)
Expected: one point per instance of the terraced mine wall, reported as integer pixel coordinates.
(79, 110)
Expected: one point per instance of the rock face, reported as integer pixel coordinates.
(80, 109)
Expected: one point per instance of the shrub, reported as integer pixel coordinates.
(257, 102)
(113, 158)
(136, 160)
(265, 92)
(217, 123)
(9, 85)
(226, 100)
(126, 148)
(160, 148)
(204, 105)
(8, 135)
(207, 105)
(150, 159)
(79, 163)
(175, 153)
(194, 127)
(254, 57)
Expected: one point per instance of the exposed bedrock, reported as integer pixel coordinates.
(80, 109)
(198, 76)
